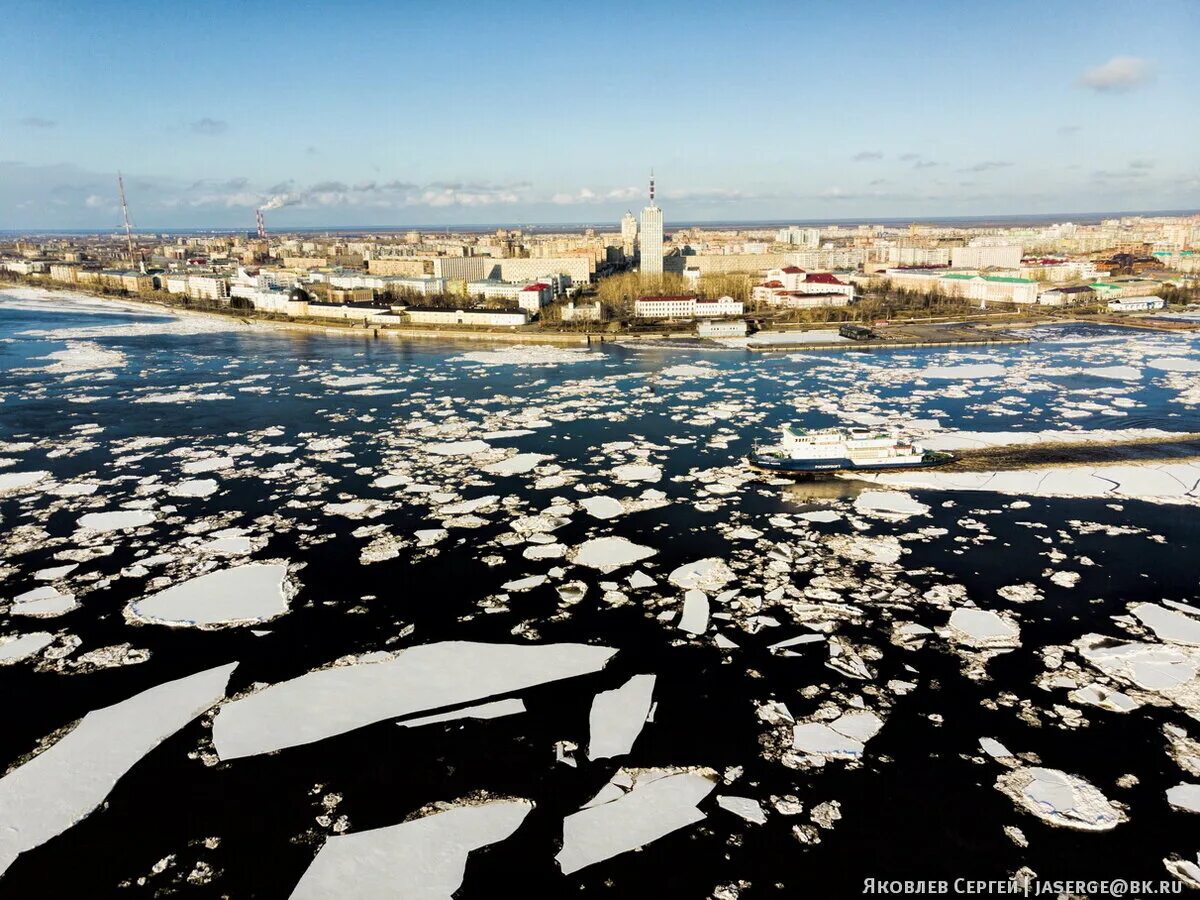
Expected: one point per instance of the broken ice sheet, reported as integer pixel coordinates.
(423, 859)
(1060, 799)
(617, 717)
(244, 595)
(332, 701)
(607, 554)
(657, 802)
(65, 782)
(494, 710)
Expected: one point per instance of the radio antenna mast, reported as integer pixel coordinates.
(128, 227)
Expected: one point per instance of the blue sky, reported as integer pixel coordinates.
(528, 112)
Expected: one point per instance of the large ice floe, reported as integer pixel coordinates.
(617, 717)
(116, 520)
(969, 371)
(332, 701)
(1155, 482)
(607, 554)
(1060, 799)
(633, 809)
(14, 648)
(529, 355)
(59, 786)
(423, 859)
(243, 595)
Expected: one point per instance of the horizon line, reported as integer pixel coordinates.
(683, 223)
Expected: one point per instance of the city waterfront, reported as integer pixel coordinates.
(815, 682)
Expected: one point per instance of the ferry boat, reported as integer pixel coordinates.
(802, 451)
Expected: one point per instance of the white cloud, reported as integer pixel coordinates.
(1121, 73)
(95, 201)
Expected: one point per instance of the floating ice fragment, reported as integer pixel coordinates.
(1185, 796)
(889, 504)
(983, 628)
(1170, 626)
(43, 602)
(70, 778)
(525, 584)
(207, 464)
(694, 618)
(658, 802)
(993, 748)
(1060, 799)
(602, 507)
(1105, 698)
(517, 465)
(819, 739)
(710, 574)
(745, 807)
(640, 579)
(14, 648)
(617, 717)
(458, 448)
(631, 472)
(117, 520)
(244, 595)
(981, 370)
(607, 554)
(494, 710)
(424, 859)
(11, 482)
(198, 487)
(332, 701)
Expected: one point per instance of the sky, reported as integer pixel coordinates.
(402, 113)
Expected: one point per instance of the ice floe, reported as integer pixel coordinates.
(973, 371)
(59, 786)
(533, 355)
(646, 804)
(14, 648)
(607, 554)
(494, 710)
(743, 807)
(116, 520)
(244, 595)
(617, 717)
(423, 859)
(893, 504)
(1060, 799)
(338, 699)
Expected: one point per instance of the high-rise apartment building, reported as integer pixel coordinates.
(652, 237)
(629, 235)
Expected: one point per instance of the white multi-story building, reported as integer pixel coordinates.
(651, 260)
(485, 317)
(399, 284)
(1003, 257)
(799, 237)
(917, 256)
(629, 235)
(198, 287)
(685, 307)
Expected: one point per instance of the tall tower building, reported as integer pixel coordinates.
(629, 234)
(652, 237)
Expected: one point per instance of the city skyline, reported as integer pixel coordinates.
(327, 123)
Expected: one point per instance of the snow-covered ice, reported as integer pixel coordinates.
(617, 717)
(55, 789)
(656, 803)
(332, 701)
(423, 859)
(244, 595)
